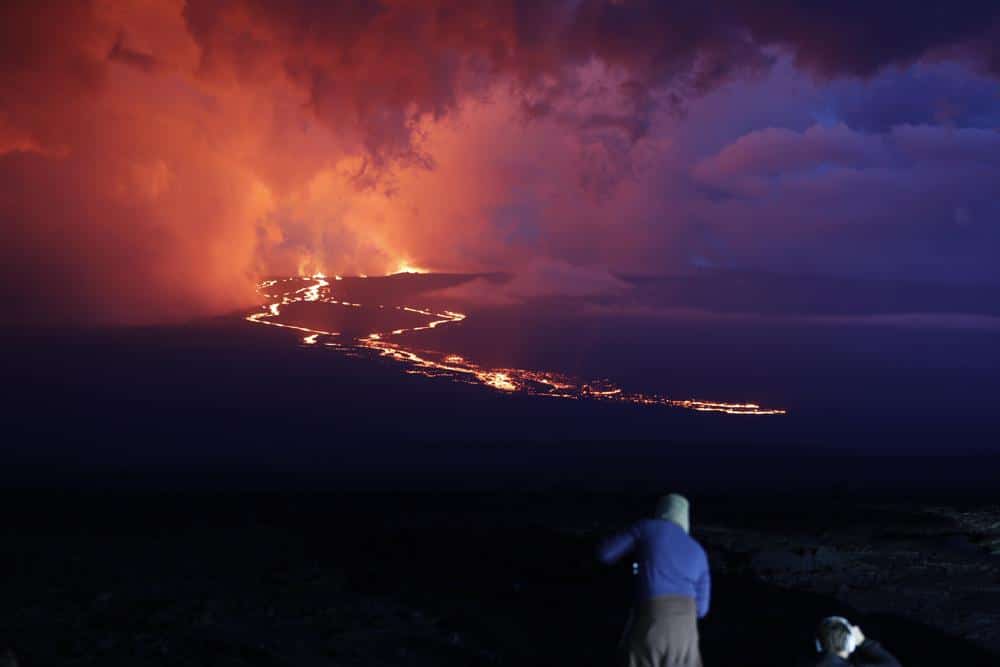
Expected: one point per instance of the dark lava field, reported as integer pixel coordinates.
(474, 579)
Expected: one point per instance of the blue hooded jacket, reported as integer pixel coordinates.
(670, 561)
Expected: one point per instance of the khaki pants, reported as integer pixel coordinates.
(663, 632)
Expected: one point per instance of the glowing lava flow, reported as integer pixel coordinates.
(405, 267)
(273, 310)
(457, 368)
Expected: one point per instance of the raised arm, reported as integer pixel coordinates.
(871, 654)
(617, 545)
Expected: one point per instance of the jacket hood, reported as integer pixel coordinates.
(676, 508)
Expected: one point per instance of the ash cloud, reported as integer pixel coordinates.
(157, 157)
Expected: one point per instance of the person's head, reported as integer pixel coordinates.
(676, 508)
(835, 634)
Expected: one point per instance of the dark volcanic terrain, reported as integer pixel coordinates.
(414, 520)
(462, 579)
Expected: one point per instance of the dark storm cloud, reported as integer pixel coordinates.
(860, 37)
(380, 64)
(929, 94)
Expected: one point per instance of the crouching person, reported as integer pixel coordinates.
(673, 587)
(841, 644)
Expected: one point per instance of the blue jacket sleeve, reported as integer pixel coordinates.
(618, 545)
(703, 590)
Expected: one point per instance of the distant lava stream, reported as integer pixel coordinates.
(309, 305)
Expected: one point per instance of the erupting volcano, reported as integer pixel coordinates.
(300, 292)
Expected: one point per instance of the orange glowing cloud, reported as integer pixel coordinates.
(159, 157)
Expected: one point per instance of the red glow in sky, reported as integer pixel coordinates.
(159, 157)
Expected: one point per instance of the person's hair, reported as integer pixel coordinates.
(833, 634)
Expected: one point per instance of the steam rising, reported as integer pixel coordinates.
(157, 158)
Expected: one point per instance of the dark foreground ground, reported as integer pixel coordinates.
(474, 579)
(500, 569)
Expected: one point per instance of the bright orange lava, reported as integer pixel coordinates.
(455, 367)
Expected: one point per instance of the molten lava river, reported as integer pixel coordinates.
(287, 297)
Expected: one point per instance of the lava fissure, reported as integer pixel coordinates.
(436, 364)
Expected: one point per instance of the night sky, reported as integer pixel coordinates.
(793, 203)
(158, 157)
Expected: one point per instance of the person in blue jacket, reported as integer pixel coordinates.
(673, 587)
